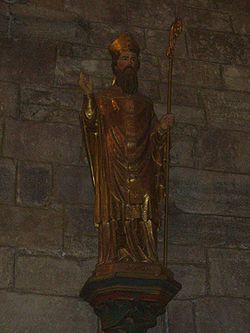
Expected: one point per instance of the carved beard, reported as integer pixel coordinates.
(127, 80)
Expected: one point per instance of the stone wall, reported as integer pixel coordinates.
(48, 245)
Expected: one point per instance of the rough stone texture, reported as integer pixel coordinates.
(183, 144)
(237, 78)
(209, 231)
(34, 27)
(197, 73)
(192, 278)
(241, 24)
(43, 314)
(150, 14)
(223, 150)
(54, 276)
(42, 141)
(182, 95)
(204, 192)
(55, 5)
(34, 184)
(227, 109)
(183, 114)
(6, 267)
(149, 67)
(67, 71)
(27, 61)
(7, 180)
(73, 185)
(157, 42)
(214, 47)
(241, 6)
(8, 100)
(30, 228)
(52, 105)
(229, 272)
(184, 254)
(203, 19)
(99, 10)
(222, 315)
(80, 237)
(180, 317)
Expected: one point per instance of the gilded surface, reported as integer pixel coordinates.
(125, 145)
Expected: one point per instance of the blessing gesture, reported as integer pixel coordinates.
(86, 84)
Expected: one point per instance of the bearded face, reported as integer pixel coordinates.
(125, 70)
(127, 80)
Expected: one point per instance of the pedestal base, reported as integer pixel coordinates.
(129, 301)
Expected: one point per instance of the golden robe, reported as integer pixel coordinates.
(125, 151)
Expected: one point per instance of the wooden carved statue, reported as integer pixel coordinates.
(125, 141)
(127, 148)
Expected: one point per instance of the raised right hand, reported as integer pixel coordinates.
(86, 84)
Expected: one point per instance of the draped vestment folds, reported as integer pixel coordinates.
(125, 151)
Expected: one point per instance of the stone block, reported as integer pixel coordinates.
(83, 51)
(192, 278)
(7, 181)
(80, 221)
(99, 10)
(182, 95)
(189, 115)
(150, 89)
(102, 34)
(237, 78)
(183, 254)
(8, 100)
(6, 267)
(205, 230)
(241, 24)
(51, 114)
(73, 185)
(222, 315)
(149, 68)
(229, 272)
(194, 18)
(34, 184)
(230, 6)
(54, 276)
(80, 235)
(157, 42)
(227, 109)
(54, 5)
(150, 14)
(4, 21)
(222, 150)
(42, 9)
(37, 313)
(54, 105)
(27, 140)
(27, 61)
(52, 29)
(219, 47)
(206, 192)
(68, 71)
(191, 72)
(180, 317)
(31, 228)
(58, 97)
(183, 138)
(183, 114)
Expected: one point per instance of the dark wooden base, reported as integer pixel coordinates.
(129, 301)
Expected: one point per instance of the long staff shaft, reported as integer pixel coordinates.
(166, 162)
(175, 31)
